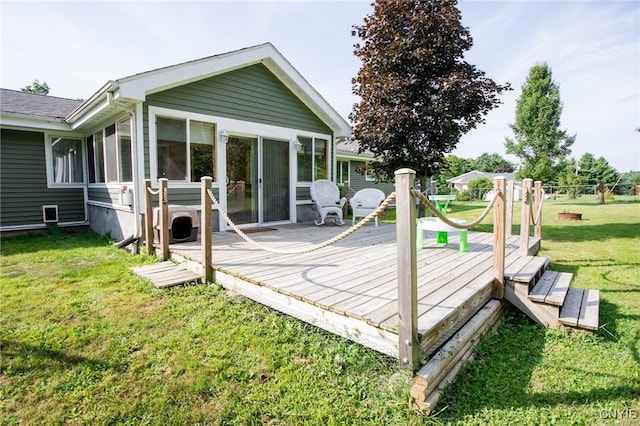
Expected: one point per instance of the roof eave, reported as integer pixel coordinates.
(30, 122)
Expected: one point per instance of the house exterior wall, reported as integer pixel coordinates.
(251, 94)
(118, 224)
(357, 181)
(23, 184)
(108, 195)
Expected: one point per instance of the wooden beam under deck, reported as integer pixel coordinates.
(350, 288)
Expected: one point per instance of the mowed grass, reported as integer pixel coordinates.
(524, 374)
(84, 341)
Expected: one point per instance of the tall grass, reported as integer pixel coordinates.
(84, 341)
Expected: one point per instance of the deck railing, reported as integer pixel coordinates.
(405, 198)
(532, 200)
(163, 217)
(502, 204)
(408, 338)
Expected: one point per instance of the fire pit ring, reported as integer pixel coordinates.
(569, 216)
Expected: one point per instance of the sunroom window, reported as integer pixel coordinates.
(125, 168)
(66, 160)
(109, 151)
(185, 155)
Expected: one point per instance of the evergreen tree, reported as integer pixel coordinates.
(538, 141)
(596, 169)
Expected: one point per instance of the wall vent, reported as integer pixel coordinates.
(50, 213)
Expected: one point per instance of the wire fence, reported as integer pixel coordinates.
(551, 191)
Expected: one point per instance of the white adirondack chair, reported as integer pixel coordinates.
(365, 201)
(326, 196)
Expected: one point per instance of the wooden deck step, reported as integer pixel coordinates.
(166, 274)
(444, 365)
(551, 288)
(581, 309)
(526, 269)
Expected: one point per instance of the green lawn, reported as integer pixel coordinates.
(86, 342)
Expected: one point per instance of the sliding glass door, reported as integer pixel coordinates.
(257, 180)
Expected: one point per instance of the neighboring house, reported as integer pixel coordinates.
(352, 166)
(247, 118)
(461, 183)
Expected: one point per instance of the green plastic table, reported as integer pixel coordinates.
(442, 203)
(435, 224)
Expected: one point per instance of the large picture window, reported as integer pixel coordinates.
(312, 159)
(66, 161)
(185, 149)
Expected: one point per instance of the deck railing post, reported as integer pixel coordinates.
(537, 230)
(148, 217)
(499, 214)
(205, 229)
(525, 216)
(509, 217)
(164, 218)
(408, 344)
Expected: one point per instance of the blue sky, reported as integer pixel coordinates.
(593, 49)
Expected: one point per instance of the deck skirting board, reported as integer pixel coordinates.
(349, 328)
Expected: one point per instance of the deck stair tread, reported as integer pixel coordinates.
(166, 274)
(551, 288)
(581, 308)
(557, 301)
(526, 269)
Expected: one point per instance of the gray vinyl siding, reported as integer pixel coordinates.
(184, 196)
(252, 94)
(357, 181)
(104, 195)
(23, 183)
(303, 193)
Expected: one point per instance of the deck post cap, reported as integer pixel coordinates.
(405, 171)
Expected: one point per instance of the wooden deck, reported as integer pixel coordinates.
(350, 288)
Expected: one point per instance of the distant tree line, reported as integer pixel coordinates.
(587, 170)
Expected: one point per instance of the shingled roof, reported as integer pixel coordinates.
(26, 104)
(351, 147)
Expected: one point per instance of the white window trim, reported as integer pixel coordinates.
(367, 176)
(154, 113)
(339, 172)
(118, 153)
(329, 154)
(48, 155)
